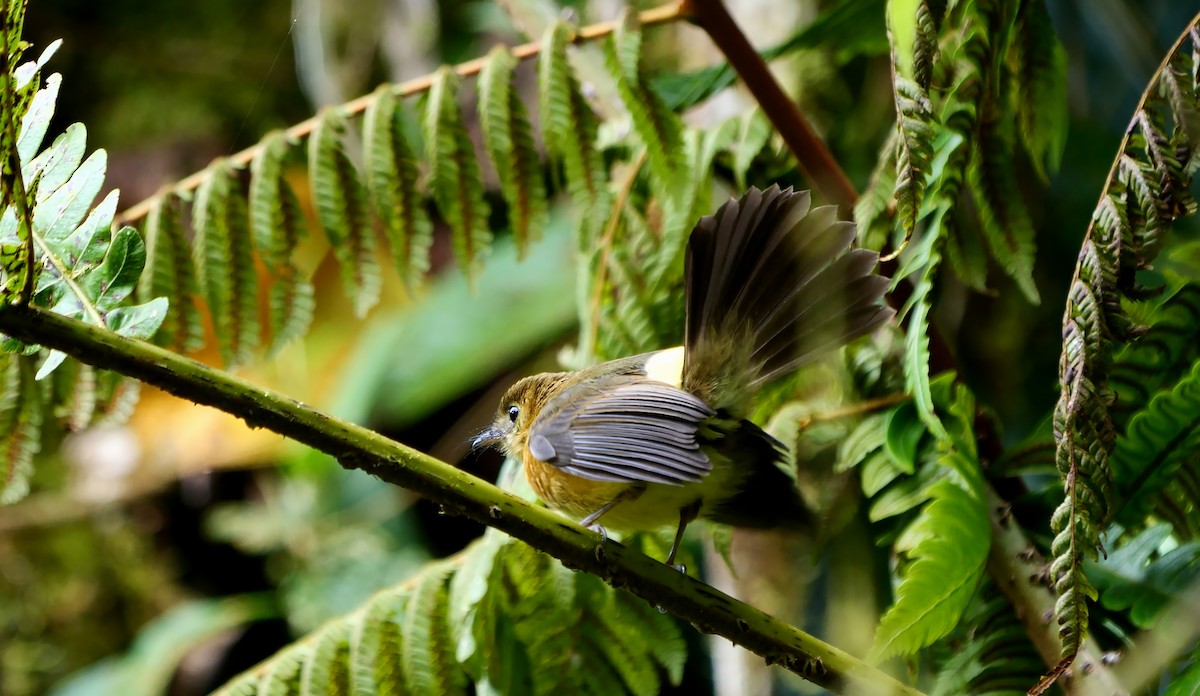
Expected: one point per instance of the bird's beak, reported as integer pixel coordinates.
(490, 436)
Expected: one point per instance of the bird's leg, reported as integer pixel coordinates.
(631, 493)
(686, 515)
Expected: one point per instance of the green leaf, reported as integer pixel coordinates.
(904, 431)
(916, 341)
(278, 227)
(392, 181)
(286, 672)
(169, 273)
(1040, 86)
(508, 138)
(1003, 215)
(223, 252)
(1159, 439)
(915, 123)
(1142, 579)
(327, 670)
(569, 129)
(378, 646)
(752, 137)
(341, 209)
(659, 128)
(454, 174)
(36, 120)
(55, 165)
(139, 321)
(428, 650)
(20, 426)
(950, 546)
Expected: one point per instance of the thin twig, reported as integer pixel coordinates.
(868, 406)
(606, 243)
(814, 159)
(658, 15)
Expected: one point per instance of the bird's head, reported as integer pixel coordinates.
(517, 411)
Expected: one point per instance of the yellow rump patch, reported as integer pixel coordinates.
(666, 366)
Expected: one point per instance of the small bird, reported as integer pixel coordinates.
(663, 438)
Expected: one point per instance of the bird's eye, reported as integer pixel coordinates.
(513, 412)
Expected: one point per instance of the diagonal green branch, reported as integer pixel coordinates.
(357, 447)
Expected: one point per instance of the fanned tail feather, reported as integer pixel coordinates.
(771, 285)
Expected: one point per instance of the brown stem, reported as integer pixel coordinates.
(815, 160)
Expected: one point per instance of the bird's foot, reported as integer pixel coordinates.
(599, 529)
(679, 567)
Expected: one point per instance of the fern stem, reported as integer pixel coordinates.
(816, 162)
(859, 408)
(663, 14)
(457, 492)
(14, 182)
(1132, 130)
(1019, 572)
(606, 243)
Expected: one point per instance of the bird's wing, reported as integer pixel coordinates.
(623, 428)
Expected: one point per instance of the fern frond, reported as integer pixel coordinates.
(428, 649)
(392, 180)
(279, 227)
(454, 175)
(377, 651)
(659, 128)
(170, 273)
(20, 426)
(995, 658)
(1141, 576)
(341, 204)
(871, 212)
(1003, 215)
(948, 544)
(1039, 65)
(508, 138)
(326, 672)
(753, 135)
(1157, 442)
(915, 126)
(286, 673)
(1123, 236)
(569, 128)
(224, 259)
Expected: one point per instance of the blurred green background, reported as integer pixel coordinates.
(166, 556)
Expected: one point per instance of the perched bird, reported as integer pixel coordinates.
(662, 438)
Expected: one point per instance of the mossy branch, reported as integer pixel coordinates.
(457, 492)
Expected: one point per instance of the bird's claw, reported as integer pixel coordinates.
(679, 567)
(599, 529)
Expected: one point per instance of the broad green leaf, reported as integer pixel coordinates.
(36, 120)
(454, 175)
(341, 203)
(139, 321)
(950, 546)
